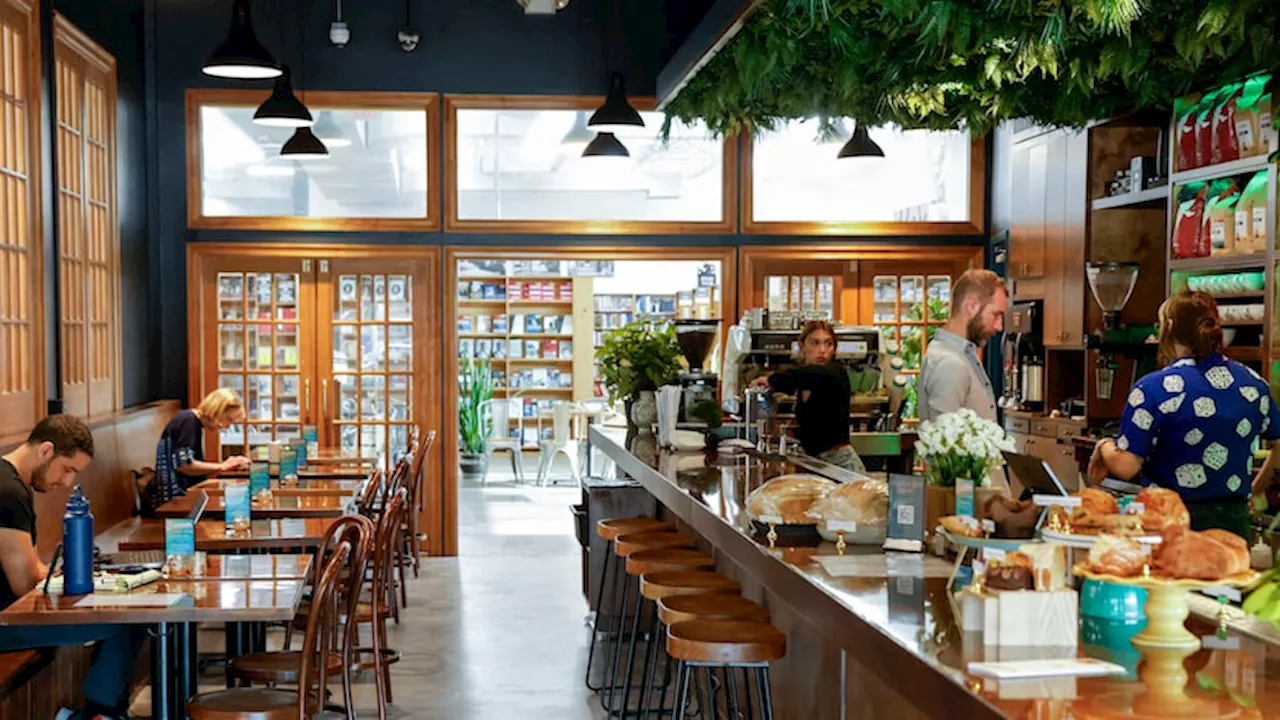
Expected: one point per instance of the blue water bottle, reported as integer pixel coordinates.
(77, 546)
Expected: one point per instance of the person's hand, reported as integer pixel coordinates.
(1260, 482)
(235, 462)
(761, 381)
(1098, 470)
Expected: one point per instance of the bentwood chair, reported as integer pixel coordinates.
(307, 699)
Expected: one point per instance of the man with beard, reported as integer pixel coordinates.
(53, 456)
(951, 376)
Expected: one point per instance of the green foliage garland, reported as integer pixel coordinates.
(944, 64)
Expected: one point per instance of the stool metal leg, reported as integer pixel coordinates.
(642, 604)
(614, 679)
(731, 693)
(766, 698)
(682, 688)
(609, 564)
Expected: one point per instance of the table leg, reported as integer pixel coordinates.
(188, 654)
(164, 705)
(235, 646)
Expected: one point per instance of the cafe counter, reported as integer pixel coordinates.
(878, 638)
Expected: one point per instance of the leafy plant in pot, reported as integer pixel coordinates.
(708, 411)
(475, 390)
(635, 360)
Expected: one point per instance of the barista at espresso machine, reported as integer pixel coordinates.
(820, 381)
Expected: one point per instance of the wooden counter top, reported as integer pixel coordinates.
(887, 645)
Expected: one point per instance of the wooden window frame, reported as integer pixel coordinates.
(975, 226)
(430, 102)
(452, 223)
(18, 414)
(85, 52)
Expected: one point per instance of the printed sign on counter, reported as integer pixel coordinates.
(906, 513)
(964, 497)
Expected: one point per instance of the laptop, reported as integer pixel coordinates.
(1034, 474)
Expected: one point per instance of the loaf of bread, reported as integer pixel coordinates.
(1208, 555)
(962, 526)
(1162, 507)
(865, 503)
(789, 498)
(1084, 522)
(1097, 501)
(1119, 556)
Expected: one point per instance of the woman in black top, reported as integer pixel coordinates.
(822, 395)
(180, 459)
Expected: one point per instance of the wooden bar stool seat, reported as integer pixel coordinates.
(276, 668)
(686, 608)
(613, 527)
(659, 585)
(644, 562)
(725, 642)
(624, 545)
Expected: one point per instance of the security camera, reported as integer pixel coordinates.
(408, 38)
(339, 34)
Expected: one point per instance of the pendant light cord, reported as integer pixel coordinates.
(302, 53)
(408, 13)
(339, 9)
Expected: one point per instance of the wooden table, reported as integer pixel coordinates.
(275, 566)
(311, 473)
(175, 655)
(313, 488)
(211, 535)
(278, 508)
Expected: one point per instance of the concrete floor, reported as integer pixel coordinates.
(497, 633)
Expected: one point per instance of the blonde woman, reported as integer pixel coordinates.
(180, 459)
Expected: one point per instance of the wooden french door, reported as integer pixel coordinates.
(260, 339)
(372, 325)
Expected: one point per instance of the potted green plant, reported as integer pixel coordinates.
(475, 390)
(635, 360)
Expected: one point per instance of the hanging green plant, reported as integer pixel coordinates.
(943, 64)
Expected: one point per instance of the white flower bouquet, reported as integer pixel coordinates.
(961, 445)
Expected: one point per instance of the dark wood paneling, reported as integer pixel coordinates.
(53, 685)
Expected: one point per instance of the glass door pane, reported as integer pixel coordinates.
(259, 337)
(371, 356)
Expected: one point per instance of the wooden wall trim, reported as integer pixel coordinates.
(976, 226)
(442, 489)
(430, 102)
(727, 224)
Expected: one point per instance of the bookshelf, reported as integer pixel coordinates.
(528, 327)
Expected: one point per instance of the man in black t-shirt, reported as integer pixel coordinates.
(55, 452)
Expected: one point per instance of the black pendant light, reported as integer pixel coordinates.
(616, 113)
(304, 145)
(860, 145)
(241, 56)
(328, 131)
(606, 144)
(282, 108)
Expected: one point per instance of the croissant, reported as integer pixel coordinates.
(1208, 555)
(1119, 556)
(1097, 501)
(1162, 507)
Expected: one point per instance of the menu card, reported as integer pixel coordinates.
(964, 497)
(311, 436)
(236, 500)
(180, 546)
(906, 513)
(288, 462)
(299, 446)
(259, 478)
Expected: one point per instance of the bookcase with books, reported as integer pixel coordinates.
(527, 327)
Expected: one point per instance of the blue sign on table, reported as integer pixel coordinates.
(964, 497)
(259, 478)
(300, 450)
(906, 513)
(288, 462)
(310, 433)
(179, 537)
(236, 500)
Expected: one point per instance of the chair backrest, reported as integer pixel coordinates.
(367, 504)
(500, 411)
(561, 415)
(418, 480)
(384, 548)
(321, 623)
(142, 477)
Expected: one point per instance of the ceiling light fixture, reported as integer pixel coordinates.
(327, 129)
(578, 137)
(241, 56)
(543, 7)
(282, 108)
(616, 113)
(304, 145)
(339, 33)
(860, 145)
(607, 145)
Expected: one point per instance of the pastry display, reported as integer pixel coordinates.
(1097, 501)
(1014, 519)
(1048, 565)
(862, 503)
(1208, 555)
(1012, 572)
(1087, 522)
(1119, 556)
(962, 526)
(1162, 507)
(788, 497)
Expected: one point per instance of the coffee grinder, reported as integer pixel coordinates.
(696, 338)
(1112, 285)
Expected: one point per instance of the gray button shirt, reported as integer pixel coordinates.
(952, 377)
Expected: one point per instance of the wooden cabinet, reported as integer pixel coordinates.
(1065, 288)
(337, 341)
(1027, 233)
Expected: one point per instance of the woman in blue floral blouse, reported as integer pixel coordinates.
(1190, 426)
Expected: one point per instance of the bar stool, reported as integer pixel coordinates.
(608, 530)
(729, 645)
(641, 562)
(659, 586)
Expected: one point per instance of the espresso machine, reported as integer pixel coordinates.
(1023, 358)
(696, 339)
